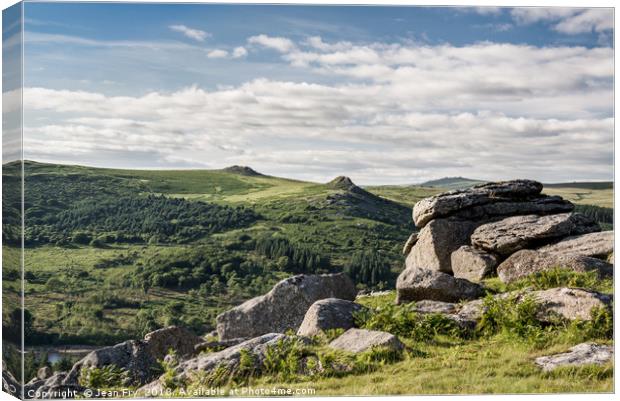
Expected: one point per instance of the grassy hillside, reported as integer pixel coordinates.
(114, 253)
(108, 248)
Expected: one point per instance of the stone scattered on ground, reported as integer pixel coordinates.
(567, 303)
(327, 314)
(427, 306)
(437, 241)
(284, 307)
(582, 354)
(526, 262)
(596, 245)
(229, 358)
(137, 357)
(360, 340)
(511, 234)
(472, 264)
(422, 284)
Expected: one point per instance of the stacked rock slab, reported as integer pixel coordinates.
(466, 235)
(447, 221)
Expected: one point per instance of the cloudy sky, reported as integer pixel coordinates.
(385, 95)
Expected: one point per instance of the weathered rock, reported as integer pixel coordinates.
(596, 245)
(230, 357)
(217, 345)
(514, 233)
(44, 373)
(448, 203)
(582, 354)
(9, 383)
(472, 264)
(284, 307)
(610, 258)
(413, 238)
(360, 340)
(428, 306)
(137, 356)
(423, 284)
(437, 241)
(526, 262)
(326, 314)
(567, 303)
(540, 205)
(159, 342)
(54, 387)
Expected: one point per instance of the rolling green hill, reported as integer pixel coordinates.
(114, 253)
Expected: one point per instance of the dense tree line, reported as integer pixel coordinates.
(293, 257)
(369, 268)
(191, 268)
(139, 218)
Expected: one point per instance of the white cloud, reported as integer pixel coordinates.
(239, 52)
(567, 20)
(191, 33)
(598, 20)
(489, 10)
(390, 113)
(280, 44)
(217, 53)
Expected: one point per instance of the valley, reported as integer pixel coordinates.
(114, 254)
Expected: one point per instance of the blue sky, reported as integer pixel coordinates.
(383, 94)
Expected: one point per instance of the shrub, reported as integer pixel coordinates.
(403, 321)
(109, 376)
(509, 317)
(283, 360)
(561, 277)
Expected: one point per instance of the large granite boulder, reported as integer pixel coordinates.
(436, 242)
(360, 340)
(448, 203)
(581, 354)
(424, 284)
(511, 234)
(527, 262)
(138, 356)
(284, 307)
(567, 303)
(596, 245)
(472, 264)
(327, 314)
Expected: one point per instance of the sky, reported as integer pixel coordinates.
(384, 95)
